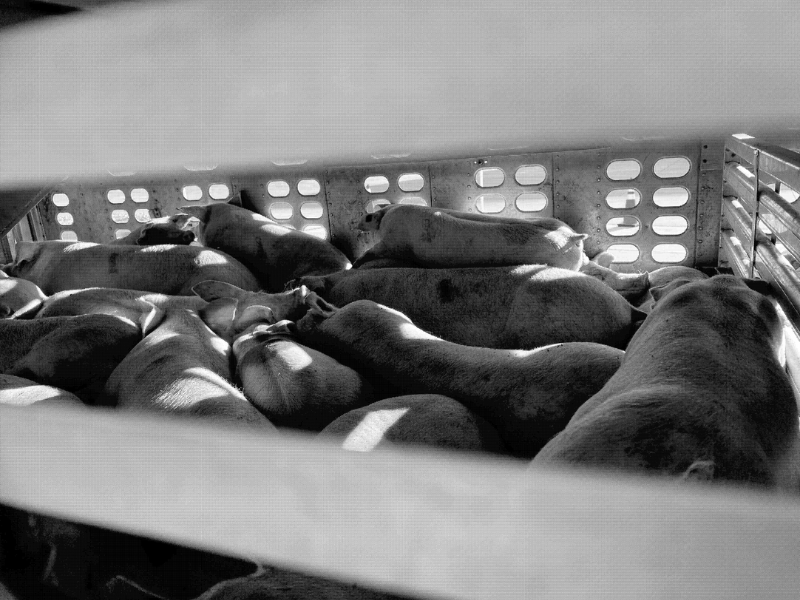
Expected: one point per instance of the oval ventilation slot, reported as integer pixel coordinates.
(490, 203)
(139, 195)
(415, 200)
(530, 174)
(115, 196)
(64, 219)
(377, 184)
(308, 187)
(192, 192)
(670, 225)
(69, 236)
(623, 226)
(317, 231)
(531, 202)
(311, 210)
(278, 189)
(219, 191)
(60, 199)
(669, 253)
(623, 170)
(121, 233)
(410, 182)
(671, 167)
(490, 177)
(623, 253)
(628, 198)
(120, 216)
(142, 215)
(670, 197)
(281, 210)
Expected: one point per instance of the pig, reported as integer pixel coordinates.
(161, 230)
(424, 420)
(73, 353)
(439, 238)
(294, 385)
(231, 310)
(528, 396)
(19, 298)
(630, 286)
(492, 307)
(182, 368)
(276, 254)
(168, 269)
(660, 278)
(701, 394)
(18, 391)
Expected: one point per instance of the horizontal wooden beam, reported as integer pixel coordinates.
(427, 524)
(154, 86)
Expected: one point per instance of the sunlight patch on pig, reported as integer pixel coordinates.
(296, 358)
(370, 431)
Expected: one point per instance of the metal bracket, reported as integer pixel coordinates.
(756, 155)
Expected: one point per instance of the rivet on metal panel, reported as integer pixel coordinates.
(598, 230)
(598, 192)
(598, 206)
(558, 168)
(558, 181)
(598, 179)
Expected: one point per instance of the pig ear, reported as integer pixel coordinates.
(182, 220)
(661, 291)
(301, 293)
(26, 312)
(201, 212)
(762, 286)
(319, 306)
(699, 470)
(213, 290)
(148, 322)
(26, 250)
(144, 233)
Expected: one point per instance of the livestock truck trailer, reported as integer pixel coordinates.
(668, 134)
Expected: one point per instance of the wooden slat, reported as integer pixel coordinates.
(158, 85)
(428, 524)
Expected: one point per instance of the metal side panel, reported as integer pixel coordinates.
(455, 185)
(349, 200)
(582, 186)
(709, 210)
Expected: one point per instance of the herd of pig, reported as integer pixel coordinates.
(455, 330)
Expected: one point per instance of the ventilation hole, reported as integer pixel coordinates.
(623, 226)
(670, 225)
(69, 236)
(531, 202)
(308, 187)
(278, 189)
(121, 233)
(377, 184)
(200, 167)
(219, 191)
(115, 196)
(623, 253)
(317, 231)
(668, 197)
(411, 182)
(311, 210)
(281, 210)
(60, 199)
(120, 173)
(530, 175)
(415, 200)
(669, 253)
(142, 215)
(788, 193)
(375, 205)
(671, 167)
(623, 170)
(139, 195)
(192, 192)
(490, 203)
(64, 218)
(120, 216)
(489, 178)
(623, 198)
